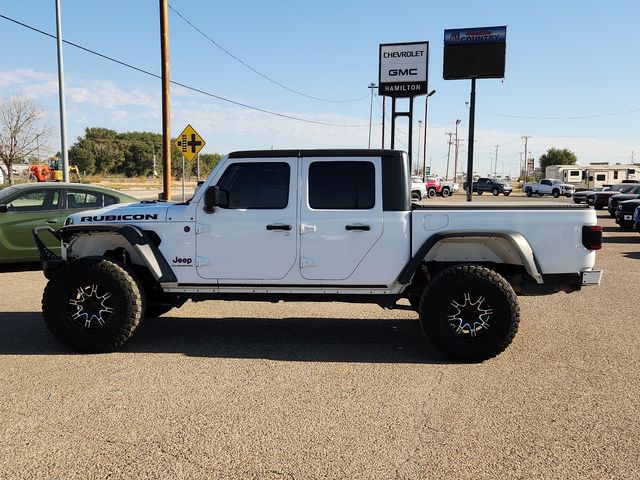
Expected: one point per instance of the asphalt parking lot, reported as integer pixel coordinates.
(284, 391)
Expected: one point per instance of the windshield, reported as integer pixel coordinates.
(6, 193)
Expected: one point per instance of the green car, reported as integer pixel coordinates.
(24, 207)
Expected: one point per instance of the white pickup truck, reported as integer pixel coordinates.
(316, 225)
(549, 187)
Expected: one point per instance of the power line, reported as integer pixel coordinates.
(266, 77)
(183, 85)
(528, 117)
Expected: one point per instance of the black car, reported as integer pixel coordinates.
(599, 200)
(633, 194)
(624, 213)
(581, 196)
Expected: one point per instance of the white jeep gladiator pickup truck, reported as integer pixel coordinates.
(316, 225)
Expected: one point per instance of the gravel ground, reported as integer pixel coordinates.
(283, 391)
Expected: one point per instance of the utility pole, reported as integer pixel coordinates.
(155, 165)
(455, 164)
(63, 115)
(526, 158)
(449, 157)
(166, 119)
(521, 174)
(495, 166)
(372, 86)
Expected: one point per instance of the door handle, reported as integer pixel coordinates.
(364, 228)
(278, 227)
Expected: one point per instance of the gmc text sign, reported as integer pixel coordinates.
(403, 69)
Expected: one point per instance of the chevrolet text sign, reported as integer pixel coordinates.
(403, 69)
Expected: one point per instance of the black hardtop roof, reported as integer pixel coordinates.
(323, 152)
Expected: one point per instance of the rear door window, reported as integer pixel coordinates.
(83, 199)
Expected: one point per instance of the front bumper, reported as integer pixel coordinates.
(624, 219)
(50, 261)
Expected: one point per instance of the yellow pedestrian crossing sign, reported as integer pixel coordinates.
(189, 143)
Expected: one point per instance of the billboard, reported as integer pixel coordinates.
(403, 69)
(474, 53)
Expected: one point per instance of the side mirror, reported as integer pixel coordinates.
(214, 197)
(4, 208)
(211, 198)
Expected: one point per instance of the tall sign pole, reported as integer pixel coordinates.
(63, 115)
(403, 73)
(472, 53)
(166, 118)
(472, 122)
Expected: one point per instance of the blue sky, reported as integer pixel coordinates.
(564, 60)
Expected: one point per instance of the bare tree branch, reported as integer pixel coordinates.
(23, 129)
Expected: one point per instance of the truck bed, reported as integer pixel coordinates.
(553, 231)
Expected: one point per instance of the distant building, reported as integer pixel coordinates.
(594, 174)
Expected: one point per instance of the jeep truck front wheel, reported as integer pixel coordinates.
(92, 305)
(469, 313)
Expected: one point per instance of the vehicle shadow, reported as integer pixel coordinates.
(287, 339)
(620, 239)
(633, 255)
(20, 267)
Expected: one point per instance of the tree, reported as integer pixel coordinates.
(555, 156)
(23, 129)
(97, 152)
(208, 161)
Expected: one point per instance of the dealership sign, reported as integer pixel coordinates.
(474, 53)
(403, 69)
(460, 36)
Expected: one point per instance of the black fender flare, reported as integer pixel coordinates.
(139, 241)
(517, 240)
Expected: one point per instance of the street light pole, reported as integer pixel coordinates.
(426, 111)
(371, 87)
(419, 136)
(455, 155)
(63, 116)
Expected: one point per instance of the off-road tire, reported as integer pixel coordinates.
(439, 316)
(495, 192)
(556, 193)
(446, 192)
(431, 192)
(126, 301)
(528, 192)
(506, 194)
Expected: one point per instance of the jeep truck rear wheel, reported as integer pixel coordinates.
(469, 313)
(92, 305)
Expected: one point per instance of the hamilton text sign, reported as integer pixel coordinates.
(403, 69)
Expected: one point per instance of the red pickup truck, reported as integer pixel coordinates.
(434, 185)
